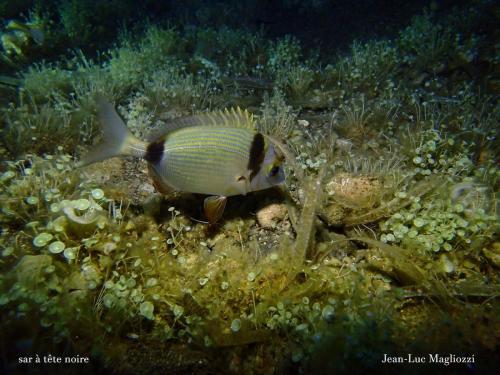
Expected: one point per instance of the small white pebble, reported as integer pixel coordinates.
(236, 325)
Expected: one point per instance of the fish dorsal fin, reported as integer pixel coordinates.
(231, 118)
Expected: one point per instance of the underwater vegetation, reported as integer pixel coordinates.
(383, 239)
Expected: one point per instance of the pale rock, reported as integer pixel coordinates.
(268, 216)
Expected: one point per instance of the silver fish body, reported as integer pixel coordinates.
(214, 160)
(207, 160)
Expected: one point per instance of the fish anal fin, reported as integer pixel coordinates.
(161, 186)
(214, 207)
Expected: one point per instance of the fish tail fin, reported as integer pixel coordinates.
(36, 34)
(117, 140)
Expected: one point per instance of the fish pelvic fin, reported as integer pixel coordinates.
(117, 139)
(214, 207)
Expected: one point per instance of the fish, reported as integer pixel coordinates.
(17, 39)
(219, 154)
(33, 29)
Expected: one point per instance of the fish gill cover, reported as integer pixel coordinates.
(379, 252)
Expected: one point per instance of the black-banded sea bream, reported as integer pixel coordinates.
(219, 154)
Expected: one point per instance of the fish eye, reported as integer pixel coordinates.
(274, 170)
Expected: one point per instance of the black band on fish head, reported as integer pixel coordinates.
(154, 152)
(257, 154)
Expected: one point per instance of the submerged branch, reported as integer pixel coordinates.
(395, 262)
(306, 227)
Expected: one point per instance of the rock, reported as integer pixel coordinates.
(268, 216)
(303, 123)
(146, 189)
(335, 213)
(355, 191)
(105, 171)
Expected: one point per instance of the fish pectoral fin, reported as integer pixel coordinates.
(214, 207)
(240, 185)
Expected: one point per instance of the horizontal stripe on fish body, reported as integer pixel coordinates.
(213, 173)
(207, 147)
(206, 178)
(202, 151)
(241, 140)
(206, 151)
(208, 131)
